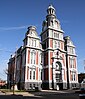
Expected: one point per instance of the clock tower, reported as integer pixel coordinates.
(54, 66)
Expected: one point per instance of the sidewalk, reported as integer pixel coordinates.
(60, 91)
(42, 92)
(19, 93)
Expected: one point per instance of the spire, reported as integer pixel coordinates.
(51, 10)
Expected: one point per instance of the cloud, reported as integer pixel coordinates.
(12, 28)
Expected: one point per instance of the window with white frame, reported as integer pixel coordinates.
(58, 44)
(30, 74)
(40, 58)
(72, 62)
(51, 33)
(33, 86)
(73, 76)
(33, 57)
(56, 35)
(40, 74)
(61, 36)
(71, 50)
(34, 43)
(55, 44)
(33, 75)
(29, 41)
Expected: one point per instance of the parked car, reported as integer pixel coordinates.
(82, 90)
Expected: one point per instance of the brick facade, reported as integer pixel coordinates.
(50, 63)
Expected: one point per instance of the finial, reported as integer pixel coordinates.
(51, 7)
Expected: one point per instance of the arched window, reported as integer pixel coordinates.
(58, 66)
(51, 23)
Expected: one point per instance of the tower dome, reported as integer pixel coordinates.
(51, 10)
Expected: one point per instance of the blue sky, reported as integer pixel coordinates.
(17, 15)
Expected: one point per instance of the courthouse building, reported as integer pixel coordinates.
(46, 63)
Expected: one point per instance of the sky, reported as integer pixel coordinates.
(17, 15)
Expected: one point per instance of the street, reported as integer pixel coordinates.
(42, 95)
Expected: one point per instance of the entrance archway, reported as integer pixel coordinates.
(58, 75)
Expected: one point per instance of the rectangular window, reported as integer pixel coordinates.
(57, 76)
(51, 33)
(29, 41)
(56, 35)
(40, 58)
(34, 43)
(31, 57)
(71, 50)
(44, 45)
(58, 44)
(30, 74)
(41, 75)
(30, 86)
(61, 36)
(33, 74)
(55, 44)
(34, 57)
(74, 77)
(71, 62)
(33, 86)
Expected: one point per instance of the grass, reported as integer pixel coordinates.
(8, 90)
